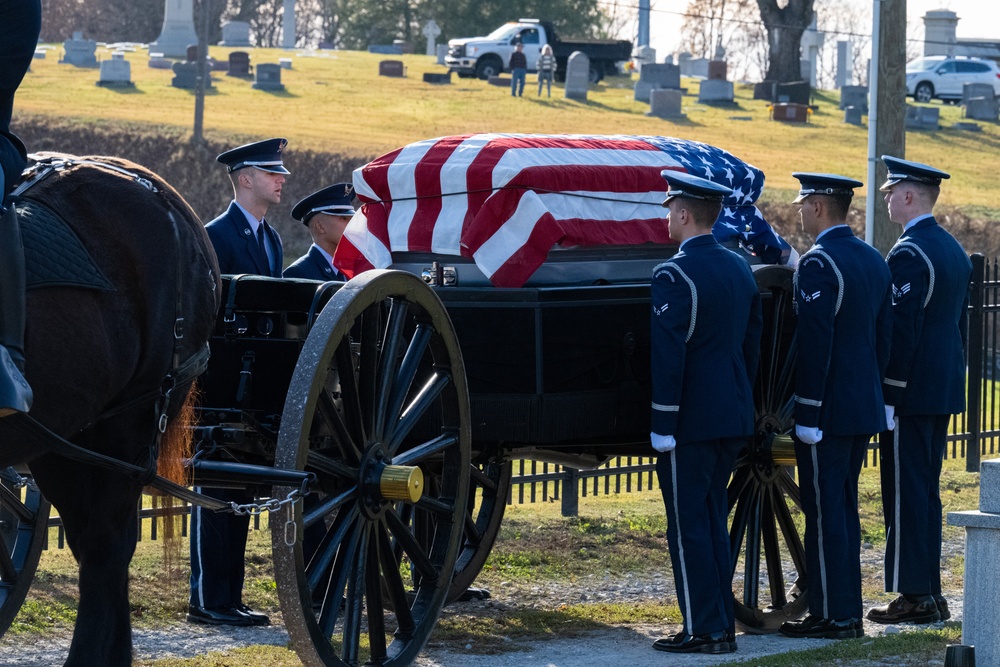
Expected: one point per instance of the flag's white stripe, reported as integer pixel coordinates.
(511, 236)
(367, 244)
(604, 205)
(515, 160)
(361, 187)
(402, 188)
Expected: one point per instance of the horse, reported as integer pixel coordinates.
(103, 362)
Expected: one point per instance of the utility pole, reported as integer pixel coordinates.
(886, 117)
(198, 135)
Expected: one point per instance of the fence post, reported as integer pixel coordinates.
(975, 355)
(570, 492)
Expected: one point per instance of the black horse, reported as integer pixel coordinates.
(99, 359)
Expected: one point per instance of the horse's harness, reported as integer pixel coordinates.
(183, 370)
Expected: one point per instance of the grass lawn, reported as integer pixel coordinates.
(334, 101)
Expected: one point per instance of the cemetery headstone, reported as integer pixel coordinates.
(713, 90)
(790, 112)
(717, 70)
(403, 45)
(982, 108)
(394, 68)
(115, 72)
(288, 24)
(644, 55)
(268, 77)
(980, 622)
(178, 29)
(852, 115)
(437, 77)
(79, 51)
(239, 64)
(795, 92)
(431, 32)
(654, 76)
(973, 90)
(285, 63)
(39, 54)
(854, 96)
(665, 103)
(191, 53)
(157, 61)
(922, 118)
(235, 33)
(695, 67)
(185, 75)
(577, 76)
(967, 127)
(442, 53)
(844, 74)
(764, 90)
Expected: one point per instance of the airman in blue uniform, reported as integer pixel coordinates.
(325, 214)
(244, 243)
(843, 332)
(20, 22)
(924, 384)
(706, 328)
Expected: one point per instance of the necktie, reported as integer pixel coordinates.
(263, 246)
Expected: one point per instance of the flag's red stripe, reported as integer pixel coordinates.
(427, 180)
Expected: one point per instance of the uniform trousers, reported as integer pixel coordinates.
(218, 551)
(911, 501)
(693, 478)
(828, 481)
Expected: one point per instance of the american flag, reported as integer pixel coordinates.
(505, 199)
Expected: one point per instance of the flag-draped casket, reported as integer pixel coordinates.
(505, 200)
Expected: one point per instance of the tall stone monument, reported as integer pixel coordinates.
(431, 32)
(288, 25)
(178, 29)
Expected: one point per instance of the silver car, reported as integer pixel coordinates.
(943, 77)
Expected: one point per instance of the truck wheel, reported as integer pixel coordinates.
(595, 74)
(488, 66)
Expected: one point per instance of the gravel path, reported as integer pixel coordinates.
(615, 646)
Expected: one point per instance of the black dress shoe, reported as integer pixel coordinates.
(942, 607)
(907, 609)
(255, 616)
(715, 642)
(814, 627)
(218, 616)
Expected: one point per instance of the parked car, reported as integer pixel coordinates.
(943, 77)
(488, 56)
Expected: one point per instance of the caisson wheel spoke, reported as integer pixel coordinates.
(751, 570)
(391, 343)
(355, 599)
(410, 546)
(408, 369)
(738, 528)
(373, 598)
(789, 531)
(10, 502)
(394, 584)
(326, 408)
(772, 550)
(321, 463)
(425, 398)
(369, 345)
(342, 573)
(350, 395)
(427, 450)
(343, 525)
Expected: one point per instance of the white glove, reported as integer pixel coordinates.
(890, 417)
(808, 434)
(662, 443)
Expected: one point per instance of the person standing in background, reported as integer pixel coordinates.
(518, 70)
(546, 69)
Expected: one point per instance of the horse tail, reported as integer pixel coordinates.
(175, 449)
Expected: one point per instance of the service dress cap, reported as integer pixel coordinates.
(824, 184)
(264, 155)
(683, 184)
(331, 200)
(905, 170)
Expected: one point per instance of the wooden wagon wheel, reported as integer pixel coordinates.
(769, 579)
(24, 517)
(378, 400)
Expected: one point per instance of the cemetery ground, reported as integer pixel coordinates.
(594, 585)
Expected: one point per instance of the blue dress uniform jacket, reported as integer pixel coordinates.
(313, 266)
(930, 287)
(706, 327)
(925, 382)
(844, 330)
(843, 301)
(236, 246)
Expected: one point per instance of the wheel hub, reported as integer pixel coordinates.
(383, 483)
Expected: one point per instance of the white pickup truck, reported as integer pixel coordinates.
(489, 56)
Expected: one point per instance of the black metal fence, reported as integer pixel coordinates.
(974, 433)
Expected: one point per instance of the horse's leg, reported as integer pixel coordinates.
(99, 512)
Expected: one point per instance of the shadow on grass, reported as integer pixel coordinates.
(123, 90)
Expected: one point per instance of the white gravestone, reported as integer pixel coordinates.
(431, 32)
(665, 103)
(715, 90)
(115, 72)
(442, 53)
(845, 76)
(178, 29)
(577, 76)
(288, 25)
(235, 33)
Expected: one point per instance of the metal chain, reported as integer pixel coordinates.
(272, 505)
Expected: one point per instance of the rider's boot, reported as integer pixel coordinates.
(15, 394)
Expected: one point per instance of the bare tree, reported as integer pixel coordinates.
(842, 21)
(732, 24)
(785, 26)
